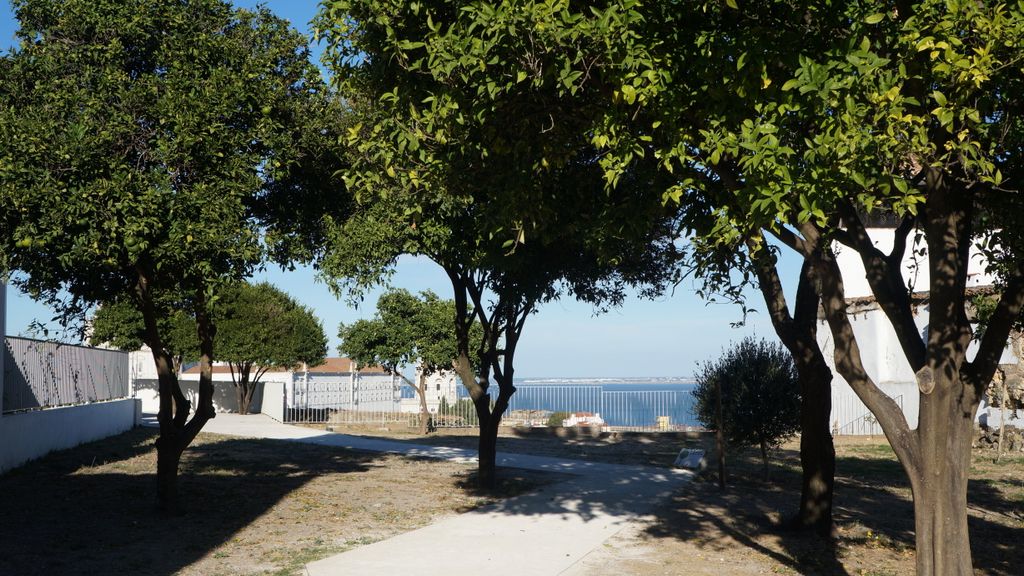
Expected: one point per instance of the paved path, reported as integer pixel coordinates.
(545, 532)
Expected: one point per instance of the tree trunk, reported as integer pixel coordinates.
(243, 387)
(764, 460)
(817, 451)
(488, 444)
(940, 490)
(168, 456)
(720, 434)
(1002, 421)
(421, 391)
(799, 333)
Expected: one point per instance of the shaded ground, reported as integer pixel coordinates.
(639, 448)
(735, 532)
(255, 506)
(268, 507)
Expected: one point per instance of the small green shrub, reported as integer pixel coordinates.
(557, 418)
(760, 395)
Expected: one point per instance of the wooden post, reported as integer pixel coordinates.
(720, 433)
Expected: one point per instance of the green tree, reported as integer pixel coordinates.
(557, 418)
(760, 399)
(259, 327)
(406, 329)
(133, 137)
(120, 324)
(900, 111)
(473, 146)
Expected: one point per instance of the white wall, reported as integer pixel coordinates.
(274, 400)
(915, 264)
(30, 435)
(3, 344)
(225, 399)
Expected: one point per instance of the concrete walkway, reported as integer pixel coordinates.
(545, 532)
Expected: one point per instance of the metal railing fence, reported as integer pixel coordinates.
(531, 405)
(864, 425)
(41, 374)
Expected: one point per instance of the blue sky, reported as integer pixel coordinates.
(667, 337)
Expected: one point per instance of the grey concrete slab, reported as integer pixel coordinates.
(545, 532)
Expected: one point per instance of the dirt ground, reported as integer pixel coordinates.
(269, 507)
(254, 506)
(736, 532)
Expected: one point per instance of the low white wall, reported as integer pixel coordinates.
(30, 435)
(273, 400)
(225, 398)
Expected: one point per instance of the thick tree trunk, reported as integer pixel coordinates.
(488, 444)
(940, 490)
(817, 451)
(168, 456)
(798, 333)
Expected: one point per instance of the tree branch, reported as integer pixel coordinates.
(848, 361)
(883, 275)
(980, 371)
(771, 288)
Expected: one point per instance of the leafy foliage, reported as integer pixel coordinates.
(760, 394)
(134, 138)
(473, 145)
(259, 327)
(406, 329)
(120, 324)
(812, 121)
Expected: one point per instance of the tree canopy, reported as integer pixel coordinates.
(407, 329)
(120, 324)
(134, 137)
(259, 327)
(472, 145)
(807, 122)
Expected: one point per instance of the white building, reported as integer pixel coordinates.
(881, 352)
(440, 386)
(583, 419)
(338, 383)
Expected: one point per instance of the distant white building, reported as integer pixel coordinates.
(443, 385)
(338, 383)
(881, 352)
(583, 419)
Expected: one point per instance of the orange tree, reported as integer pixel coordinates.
(134, 136)
(907, 110)
(472, 146)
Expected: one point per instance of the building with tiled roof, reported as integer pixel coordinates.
(336, 384)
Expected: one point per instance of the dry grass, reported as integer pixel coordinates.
(254, 506)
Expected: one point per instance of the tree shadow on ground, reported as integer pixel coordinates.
(872, 507)
(636, 448)
(61, 515)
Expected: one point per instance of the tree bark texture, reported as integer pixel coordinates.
(817, 450)
(936, 455)
(421, 391)
(487, 449)
(176, 430)
(798, 332)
